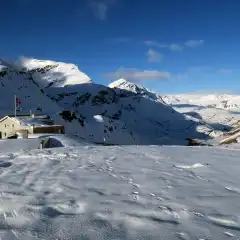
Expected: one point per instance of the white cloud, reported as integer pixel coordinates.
(225, 71)
(151, 43)
(181, 76)
(201, 69)
(175, 47)
(194, 43)
(215, 91)
(202, 72)
(101, 8)
(154, 56)
(136, 75)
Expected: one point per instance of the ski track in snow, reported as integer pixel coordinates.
(120, 192)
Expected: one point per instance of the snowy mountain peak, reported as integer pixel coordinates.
(49, 73)
(126, 85)
(123, 84)
(119, 83)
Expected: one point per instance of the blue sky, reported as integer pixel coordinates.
(169, 46)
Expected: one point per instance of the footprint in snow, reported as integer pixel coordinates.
(5, 164)
(229, 234)
(196, 165)
(67, 208)
(229, 222)
(232, 189)
(183, 236)
(135, 196)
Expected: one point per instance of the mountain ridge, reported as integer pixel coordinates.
(131, 113)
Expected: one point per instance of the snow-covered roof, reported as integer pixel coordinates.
(2, 119)
(40, 121)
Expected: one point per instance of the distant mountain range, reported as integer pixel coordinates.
(121, 113)
(221, 101)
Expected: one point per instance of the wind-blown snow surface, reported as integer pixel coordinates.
(96, 192)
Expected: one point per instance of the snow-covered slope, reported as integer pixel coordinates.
(123, 86)
(147, 120)
(15, 82)
(131, 114)
(221, 111)
(49, 73)
(225, 101)
(96, 192)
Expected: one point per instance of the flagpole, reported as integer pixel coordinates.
(15, 105)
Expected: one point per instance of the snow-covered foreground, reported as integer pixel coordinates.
(96, 192)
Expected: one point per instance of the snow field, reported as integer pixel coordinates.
(120, 192)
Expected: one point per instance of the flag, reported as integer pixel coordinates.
(18, 101)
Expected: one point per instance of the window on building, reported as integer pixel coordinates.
(5, 125)
(13, 125)
(5, 134)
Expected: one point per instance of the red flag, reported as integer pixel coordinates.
(18, 101)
